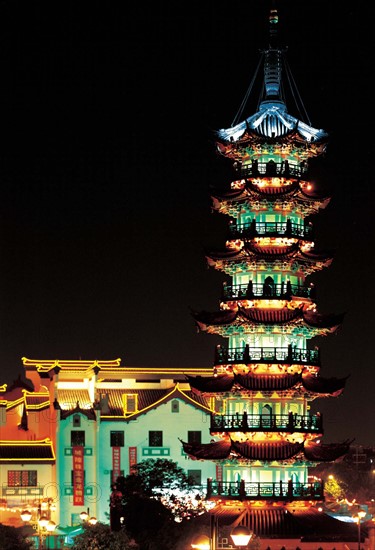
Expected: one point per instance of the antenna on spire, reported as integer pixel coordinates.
(273, 20)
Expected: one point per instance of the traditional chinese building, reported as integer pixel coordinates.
(267, 374)
(70, 429)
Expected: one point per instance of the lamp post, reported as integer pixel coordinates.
(361, 514)
(43, 525)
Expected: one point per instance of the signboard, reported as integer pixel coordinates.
(78, 475)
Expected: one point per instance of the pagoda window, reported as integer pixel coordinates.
(22, 478)
(195, 476)
(155, 438)
(194, 437)
(117, 439)
(77, 438)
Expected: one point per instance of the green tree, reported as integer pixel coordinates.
(12, 538)
(165, 481)
(158, 499)
(100, 537)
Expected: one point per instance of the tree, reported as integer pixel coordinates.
(163, 480)
(100, 537)
(157, 500)
(12, 538)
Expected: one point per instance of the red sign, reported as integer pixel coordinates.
(219, 472)
(132, 459)
(116, 463)
(78, 473)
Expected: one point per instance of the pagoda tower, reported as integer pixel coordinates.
(264, 436)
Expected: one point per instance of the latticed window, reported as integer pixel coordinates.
(117, 439)
(77, 438)
(155, 438)
(195, 476)
(22, 478)
(194, 437)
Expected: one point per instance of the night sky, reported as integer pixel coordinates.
(107, 115)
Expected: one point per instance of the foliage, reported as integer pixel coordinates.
(100, 537)
(158, 499)
(165, 481)
(335, 488)
(12, 539)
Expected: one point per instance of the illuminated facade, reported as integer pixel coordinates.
(265, 435)
(66, 436)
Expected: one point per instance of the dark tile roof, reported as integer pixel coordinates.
(27, 451)
(283, 522)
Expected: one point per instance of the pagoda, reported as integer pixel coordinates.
(264, 435)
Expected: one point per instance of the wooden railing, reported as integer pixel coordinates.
(270, 229)
(248, 355)
(278, 169)
(247, 490)
(266, 422)
(266, 290)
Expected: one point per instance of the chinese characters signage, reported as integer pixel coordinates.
(78, 475)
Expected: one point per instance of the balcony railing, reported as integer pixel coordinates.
(266, 290)
(271, 168)
(269, 423)
(270, 229)
(247, 354)
(246, 490)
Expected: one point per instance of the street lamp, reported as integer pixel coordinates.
(85, 517)
(43, 525)
(361, 514)
(241, 535)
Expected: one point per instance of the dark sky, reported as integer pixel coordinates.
(107, 111)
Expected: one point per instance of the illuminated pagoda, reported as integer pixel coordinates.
(264, 434)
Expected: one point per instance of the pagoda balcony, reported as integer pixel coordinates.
(283, 291)
(271, 229)
(267, 423)
(273, 169)
(248, 490)
(247, 354)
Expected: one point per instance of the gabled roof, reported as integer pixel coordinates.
(72, 401)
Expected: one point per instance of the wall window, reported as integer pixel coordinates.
(77, 438)
(76, 420)
(155, 439)
(22, 478)
(175, 406)
(195, 476)
(130, 402)
(117, 439)
(194, 437)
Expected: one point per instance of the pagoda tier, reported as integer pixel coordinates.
(267, 382)
(242, 320)
(265, 451)
(264, 193)
(245, 257)
(276, 132)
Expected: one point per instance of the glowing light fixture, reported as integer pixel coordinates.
(201, 542)
(26, 515)
(241, 535)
